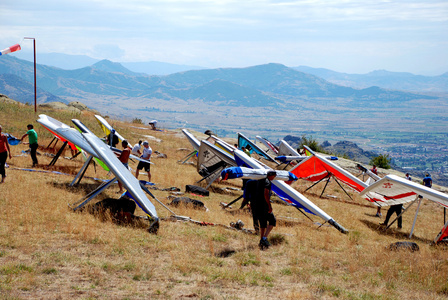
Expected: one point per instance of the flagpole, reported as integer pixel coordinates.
(35, 85)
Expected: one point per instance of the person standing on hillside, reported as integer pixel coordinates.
(4, 151)
(250, 195)
(427, 181)
(32, 139)
(146, 154)
(264, 209)
(124, 158)
(374, 170)
(396, 209)
(136, 149)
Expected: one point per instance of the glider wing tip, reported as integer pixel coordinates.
(154, 226)
(337, 226)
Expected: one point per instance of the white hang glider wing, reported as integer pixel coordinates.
(193, 141)
(285, 191)
(244, 142)
(212, 159)
(118, 169)
(268, 144)
(392, 190)
(257, 174)
(107, 128)
(65, 133)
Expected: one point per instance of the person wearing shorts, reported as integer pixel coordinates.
(262, 209)
(146, 154)
(4, 153)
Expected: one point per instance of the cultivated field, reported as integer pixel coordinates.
(49, 252)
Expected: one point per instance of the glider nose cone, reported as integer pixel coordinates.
(154, 226)
(337, 226)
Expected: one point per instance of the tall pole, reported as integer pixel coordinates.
(35, 85)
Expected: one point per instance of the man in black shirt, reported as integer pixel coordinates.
(263, 209)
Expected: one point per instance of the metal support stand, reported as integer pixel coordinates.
(337, 181)
(54, 138)
(186, 158)
(81, 172)
(318, 182)
(55, 158)
(415, 218)
(228, 204)
(412, 203)
(92, 194)
(328, 181)
(144, 188)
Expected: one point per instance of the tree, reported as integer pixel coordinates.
(310, 142)
(382, 161)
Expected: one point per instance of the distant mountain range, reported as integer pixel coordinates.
(381, 78)
(258, 86)
(72, 62)
(385, 79)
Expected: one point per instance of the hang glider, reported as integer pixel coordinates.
(287, 193)
(193, 141)
(393, 190)
(288, 154)
(118, 169)
(317, 168)
(211, 161)
(245, 142)
(257, 174)
(65, 133)
(107, 128)
(271, 147)
(366, 171)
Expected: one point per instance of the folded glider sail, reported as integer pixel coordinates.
(212, 160)
(268, 144)
(285, 191)
(193, 141)
(118, 169)
(107, 128)
(244, 142)
(249, 173)
(66, 133)
(316, 167)
(392, 190)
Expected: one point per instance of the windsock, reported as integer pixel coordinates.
(14, 48)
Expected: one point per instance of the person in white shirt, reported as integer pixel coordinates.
(146, 154)
(136, 149)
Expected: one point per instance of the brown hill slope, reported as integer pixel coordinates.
(49, 252)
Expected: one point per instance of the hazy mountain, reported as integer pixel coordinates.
(384, 79)
(23, 91)
(72, 62)
(59, 60)
(158, 68)
(258, 85)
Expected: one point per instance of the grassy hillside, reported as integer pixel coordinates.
(49, 252)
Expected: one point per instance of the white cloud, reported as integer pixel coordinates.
(236, 33)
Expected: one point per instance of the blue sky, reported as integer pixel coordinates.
(345, 36)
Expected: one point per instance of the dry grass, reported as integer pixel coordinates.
(49, 252)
